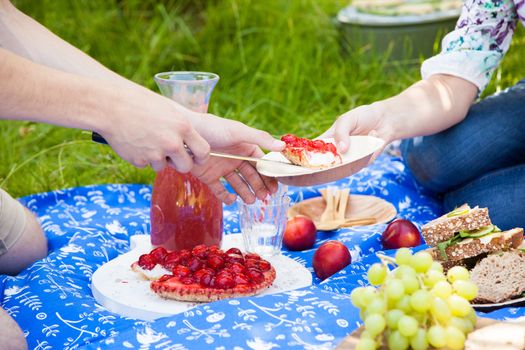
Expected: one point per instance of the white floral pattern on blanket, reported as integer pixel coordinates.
(88, 226)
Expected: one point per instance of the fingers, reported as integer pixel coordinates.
(179, 158)
(240, 187)
(159, 165)
(343, 127)
(198, 146)
(254, 180)
(243, 133)
(269, 182)
(221, 193)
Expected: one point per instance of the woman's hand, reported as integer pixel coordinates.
(363, 120)
(242, 175)
(427, 107)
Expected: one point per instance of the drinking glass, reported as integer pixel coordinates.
(262, 224)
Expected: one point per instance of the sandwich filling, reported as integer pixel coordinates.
(466, 234)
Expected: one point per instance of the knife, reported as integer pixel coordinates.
(99, 139)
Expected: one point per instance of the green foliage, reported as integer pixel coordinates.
(280, 64)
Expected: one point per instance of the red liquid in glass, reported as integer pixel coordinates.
(184, 212)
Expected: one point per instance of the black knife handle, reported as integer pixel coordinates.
(98, 138)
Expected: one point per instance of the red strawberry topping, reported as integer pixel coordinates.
(147, 262)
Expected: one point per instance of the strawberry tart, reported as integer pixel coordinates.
(316, 154)
(204, 274)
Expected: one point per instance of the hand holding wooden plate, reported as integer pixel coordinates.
(361, 149)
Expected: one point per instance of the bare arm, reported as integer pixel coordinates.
(128, 117)
(26, 37)
(427, 107)
(11, 337)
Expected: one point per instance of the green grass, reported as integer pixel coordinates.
(280, 64)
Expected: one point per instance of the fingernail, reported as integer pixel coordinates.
(341, 145)
(278, 145)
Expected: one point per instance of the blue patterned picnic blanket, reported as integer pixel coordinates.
(88, 226)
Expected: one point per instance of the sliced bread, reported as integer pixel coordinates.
(470, 247)
(444, 227)
(499, 277)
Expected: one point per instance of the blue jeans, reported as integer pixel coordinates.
(480, 161)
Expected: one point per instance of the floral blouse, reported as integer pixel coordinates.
(481, 38)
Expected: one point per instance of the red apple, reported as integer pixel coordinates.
(300, 233)
(329, 258)
(400, 233)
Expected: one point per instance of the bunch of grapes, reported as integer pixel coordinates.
(415, 305)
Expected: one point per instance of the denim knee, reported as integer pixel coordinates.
(426, 162)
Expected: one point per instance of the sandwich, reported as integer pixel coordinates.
(463, 218)
(464, 235)
(467, 237)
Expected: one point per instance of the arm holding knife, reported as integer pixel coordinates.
(45, 79)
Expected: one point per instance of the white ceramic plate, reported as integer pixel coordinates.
(122, 291)
(356, 158)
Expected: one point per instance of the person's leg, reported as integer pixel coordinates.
(21, 238)
(11, 337)
(491, 137)
(501, 191)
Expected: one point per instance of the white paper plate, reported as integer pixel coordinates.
(122, 291)
(356, 158)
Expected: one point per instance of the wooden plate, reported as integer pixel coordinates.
(356, 158)
(358, 207)
(488, 334)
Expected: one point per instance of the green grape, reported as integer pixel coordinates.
(375, 324)
(410, 283)
(463, 324)
(472, 317)
(404, 304)
(366, 344)
(376, 306)
(421, 261)
(420, 317)
(419, 341)
(432, 277)
(442, 289)
(405, 270)
(407, 326)
(436, 336)
(394, 289)
(458, 305)
(357, 297)
(436, 266)
(441, 311)
(455, 339)
(403, 256)
(366, 335)
(421, 300)
(458, 273)
(377, 274)
(465, 289)
(369, 294)
(397, 341)
(392, 318)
